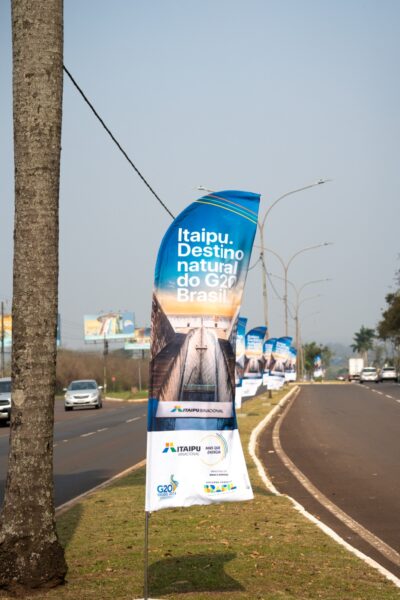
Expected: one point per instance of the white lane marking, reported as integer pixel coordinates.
(104, 429)
(87, 434)
(386, 550)
(380, 393)
(387, 396)
(65, 441)
(134, 419)
(270, 486)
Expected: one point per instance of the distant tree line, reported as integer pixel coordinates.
(122, 372)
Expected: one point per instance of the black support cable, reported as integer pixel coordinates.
(116, 141)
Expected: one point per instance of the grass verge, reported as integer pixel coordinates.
(258, 550)
(127, 395)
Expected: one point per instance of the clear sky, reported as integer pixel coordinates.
(265, 96)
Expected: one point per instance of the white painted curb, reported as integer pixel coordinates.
(270, 486)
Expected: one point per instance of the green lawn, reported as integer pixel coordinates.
(258, 550)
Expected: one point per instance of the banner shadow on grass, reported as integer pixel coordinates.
(192, 573)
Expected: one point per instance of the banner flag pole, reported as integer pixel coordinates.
(146, 556)
(194, 453)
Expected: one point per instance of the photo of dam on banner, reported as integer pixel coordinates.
(195, 368)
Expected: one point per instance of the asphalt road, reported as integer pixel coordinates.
(90, 446)
(345, 440)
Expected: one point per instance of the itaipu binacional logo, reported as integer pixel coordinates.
(212, 449)
(167, 490)
(169, 447)
(177, 408)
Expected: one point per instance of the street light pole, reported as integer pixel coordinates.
(286, 269)
(261, 223)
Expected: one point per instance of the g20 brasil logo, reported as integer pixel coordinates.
(166, 490)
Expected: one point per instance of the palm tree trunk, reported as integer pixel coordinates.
(30, 553)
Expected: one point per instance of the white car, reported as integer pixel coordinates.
(369, 374)
(388, 374)
(5, 400)
(81, 393)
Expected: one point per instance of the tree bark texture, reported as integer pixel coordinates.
(30, 553)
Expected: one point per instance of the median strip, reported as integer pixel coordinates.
(239, 551)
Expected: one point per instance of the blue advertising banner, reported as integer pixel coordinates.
(318, 372)
(254, 361)
(280, 355)
(254, 364)
(194, 453)
(291, 365)
(268, 347)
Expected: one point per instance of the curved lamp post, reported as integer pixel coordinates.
(261, 223)
(286, 268)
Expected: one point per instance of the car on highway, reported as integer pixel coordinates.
(83, 393)
(369, 374)
(5, 400)
(388, 374)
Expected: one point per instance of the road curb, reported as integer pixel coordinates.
(67, 505)
(271, 488)
(130, 400)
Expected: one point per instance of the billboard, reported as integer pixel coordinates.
(117, 325)
(6, 335)
(194, 453)
(140, 339)
(8, 331)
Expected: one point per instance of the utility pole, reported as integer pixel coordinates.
(105, 354)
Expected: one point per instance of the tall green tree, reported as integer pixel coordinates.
(389, 326)
(363, 341)
(30, 553)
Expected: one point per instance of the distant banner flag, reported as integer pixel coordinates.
(113, 325)
(267, 352)
(240, 348)
(286, 365)
(240, 358)
(194, 453)
(140, 339)
(280, 353)
(291, 365)
(254, 364)
(318, 367)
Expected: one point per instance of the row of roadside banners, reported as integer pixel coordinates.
(201, 357)
(262, 362)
